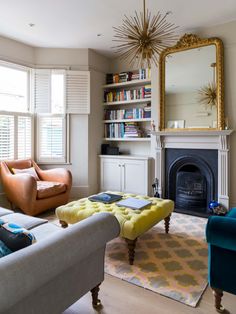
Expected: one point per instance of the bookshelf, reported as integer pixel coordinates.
(127, 107)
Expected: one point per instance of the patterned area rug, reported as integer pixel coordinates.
(173, 265)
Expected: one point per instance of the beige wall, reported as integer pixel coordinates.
(14, 51)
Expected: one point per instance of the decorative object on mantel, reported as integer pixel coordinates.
(142, 38)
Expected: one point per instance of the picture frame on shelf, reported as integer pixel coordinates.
(175, 124)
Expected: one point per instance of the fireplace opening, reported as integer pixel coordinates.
(191, 188)
(191, 179)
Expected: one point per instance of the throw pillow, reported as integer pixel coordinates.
(30, 171)
(15, 237)
(4, 250)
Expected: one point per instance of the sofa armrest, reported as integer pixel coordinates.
(33, 267)
(221, 232)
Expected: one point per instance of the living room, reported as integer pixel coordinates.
(98, 101)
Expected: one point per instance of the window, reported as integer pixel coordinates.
(15, 119)
(51, 126)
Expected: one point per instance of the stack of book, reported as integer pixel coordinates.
(125, 77)
(147, 111)
(147, 91)
(132, 130)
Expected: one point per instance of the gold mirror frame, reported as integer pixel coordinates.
(187, 42)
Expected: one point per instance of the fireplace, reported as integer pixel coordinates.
(191, 179)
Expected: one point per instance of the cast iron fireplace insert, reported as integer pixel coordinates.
(191, 179)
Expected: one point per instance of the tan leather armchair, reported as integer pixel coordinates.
(35, 196)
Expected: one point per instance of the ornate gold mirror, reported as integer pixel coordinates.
(191, 85)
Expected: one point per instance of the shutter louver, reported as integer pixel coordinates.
(42, 91)
(78, 92)
(6, 137)
(51, 138)
(24, 137)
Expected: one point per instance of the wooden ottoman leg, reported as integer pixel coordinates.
(131, 248)
(167, 223)
(95, 301)
(218, 294)
(63, 224)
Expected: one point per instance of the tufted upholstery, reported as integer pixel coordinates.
(133, 223)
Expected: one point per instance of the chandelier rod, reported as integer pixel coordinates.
(144, 10)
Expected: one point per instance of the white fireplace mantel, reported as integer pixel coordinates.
(215, 139)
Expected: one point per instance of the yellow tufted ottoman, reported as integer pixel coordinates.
(133, 223)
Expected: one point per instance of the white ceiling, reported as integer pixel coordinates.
(76, 23)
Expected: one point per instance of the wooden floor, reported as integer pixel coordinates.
(120, 297)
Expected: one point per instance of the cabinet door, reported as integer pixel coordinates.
(110, 175)
(135, 176)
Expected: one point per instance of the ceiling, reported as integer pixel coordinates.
(76, 23)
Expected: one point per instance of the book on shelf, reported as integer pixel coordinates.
(131, 113)
(130, 94)
(123, 130)
(141, 74)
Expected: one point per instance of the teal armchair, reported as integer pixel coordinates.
(221, 238)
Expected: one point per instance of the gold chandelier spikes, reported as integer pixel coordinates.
(141, 38)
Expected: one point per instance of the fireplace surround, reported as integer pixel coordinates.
(201, 142)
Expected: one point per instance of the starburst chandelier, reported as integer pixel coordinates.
(141, 38)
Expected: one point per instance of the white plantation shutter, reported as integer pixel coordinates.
(6, 137)
(51, 138)
(42, 94)
(78, 92)
(15, 135)
(24, 136)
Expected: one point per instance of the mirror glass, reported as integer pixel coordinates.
(190, 88)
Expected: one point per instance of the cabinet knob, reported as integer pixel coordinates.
(119, 165)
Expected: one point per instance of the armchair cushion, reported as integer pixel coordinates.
(47, 189)
(30, 171)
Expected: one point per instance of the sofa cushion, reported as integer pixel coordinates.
(47, 189)
(25, 221)
(232, 213)
(15, 237)
(4, 250)
(31, 171)
(44, 231)
(4, 211)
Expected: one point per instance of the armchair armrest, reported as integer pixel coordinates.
(21, 189)
(221, 232)
(56, 175)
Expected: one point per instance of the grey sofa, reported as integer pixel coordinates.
(50, 275)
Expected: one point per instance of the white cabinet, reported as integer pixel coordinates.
(127, 174)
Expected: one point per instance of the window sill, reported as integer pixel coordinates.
(54, 163)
